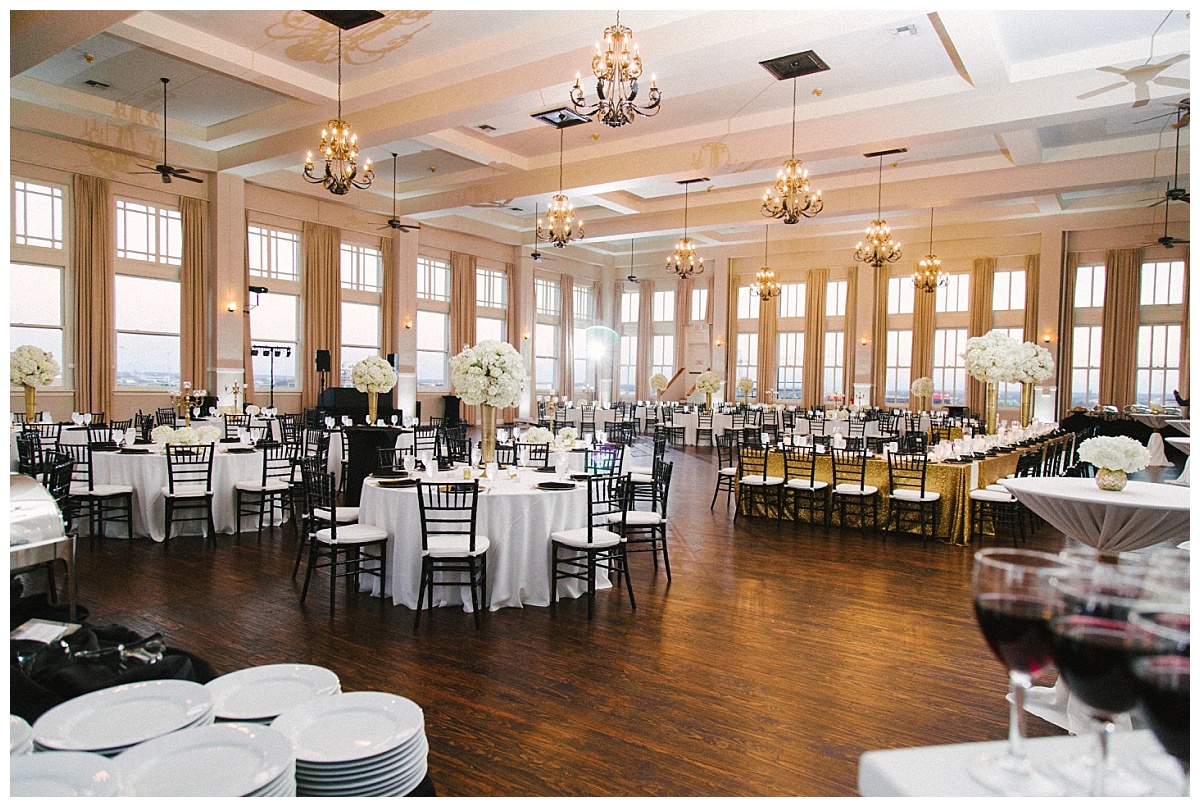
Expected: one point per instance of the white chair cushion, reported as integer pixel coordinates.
(272, 486)
(99, 491)
(186, 491)
(641, 479)
(998, 488)
(456, 546)
(579, 538)
(759, 481)
(641, 469)
(353, 534)
(730, 471)
(804, 484)
(345, 515)
(637, 518)
(846, 489)
(989, 495)
(910, 495)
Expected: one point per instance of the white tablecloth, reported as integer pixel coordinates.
(517, 519)
(1158, 454)
(147, 474)
(1184, 444)
(1141, 515)
(1184, 426)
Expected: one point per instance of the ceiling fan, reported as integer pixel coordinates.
(632, 278)
(537, 254)
(166, 170)
(394, 222)
(1167, 240)
(1174, 192)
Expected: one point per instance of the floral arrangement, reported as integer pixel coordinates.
(567, 434)
(1157, 409)
(252, 410)
(186, 436)
(923, 387)
(993, 357)
(490, 373)
(1115, 453)
(659, 382)
(537, 435)
(745, 384)
(708, 382)
(373, 374)
(1035, 364)
(31, 366)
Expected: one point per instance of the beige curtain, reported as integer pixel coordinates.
(1185, 365)
(1118, 340)
(615, 385)
(850, 356)
(645, 336)
(983, 275)
(1066, 331)
(95, 325)
(1033, 274)
(193, 292)
(322, 324)
(683, 319)
(814, 337)
(768, 347)
(389, 308)
(462, 313)
(922, 351)
(566, 336)
(731, 335)
(247, 359)
(513, 328)
(879, 332)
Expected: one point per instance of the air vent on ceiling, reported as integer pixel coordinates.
(347, 20)
(905, 30)
(486, 127)
(798, 64)
(885, 153)
(692, 181)
(99, 85)
(560, 118)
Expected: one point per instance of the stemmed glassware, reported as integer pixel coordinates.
(1013, 606)
(1158, 652)
(427, 461)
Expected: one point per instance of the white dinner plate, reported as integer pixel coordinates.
(63, 773)
(20, 733)
(374, 767)
(350, 726)
(206, 761)
(360, 766)
(123, 715)
(397, 784)
(360, 778)
(261, 693)
(1186, 546)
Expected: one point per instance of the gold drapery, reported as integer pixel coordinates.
(645, 331)
(95, 323)
(566, 336)
(850, 355)
(922, 338)
(879, 333)
(389, 307)
(462, 312)
(814, 337)
(195, 300)
(322, 329)
(768, 340)
(983, 274)
(1033, 274)
(1118, 340)
(1066, 331)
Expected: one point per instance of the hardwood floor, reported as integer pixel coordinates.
(777, 656)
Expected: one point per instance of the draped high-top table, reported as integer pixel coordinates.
(1158, 454)
(1184, 444)
(517, 519)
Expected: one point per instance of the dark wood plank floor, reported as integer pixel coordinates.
(777, 656)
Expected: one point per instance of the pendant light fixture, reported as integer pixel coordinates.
(561, 226)
(765, 285)
(792, 197)
(685, 262)
(339, 145)
(878, 248)
(929, 273)
(617, 67)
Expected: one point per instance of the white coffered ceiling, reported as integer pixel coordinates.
(1006, 115)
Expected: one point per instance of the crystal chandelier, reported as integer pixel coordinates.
(878, 247)
(340, 147)
(765, 285)
(617, 67)
(929, 273)
(560, 226)
(792, 196)
(685, 262)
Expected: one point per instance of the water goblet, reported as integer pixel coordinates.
(87, 419)
(394, 419)
(410, 463)
(493, 470)
(561, 465)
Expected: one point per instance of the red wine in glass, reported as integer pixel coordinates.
(1090, 653)
(1017, 629)
(1164, 684)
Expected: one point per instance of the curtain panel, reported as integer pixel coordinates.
(731, 334)
(1118, 340)
(879, 332)
(1033, 275)
(193, 292)
(645, 354)
(512, 322)
(389, 307)
(462, 313)
(566, 336)
(850, 356)
(1185, 338)
(768, 338)
(983, 275)
(1066, 332)
(814, 338)
(247, 359)
(322, 321)
(683, 317)
(94, 258)
(922, 352)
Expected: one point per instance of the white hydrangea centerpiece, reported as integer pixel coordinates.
(993, 358)
(923, 387)
(31, 366)
(537, 435)
(1035, 364)
(568, 435)
(373, 374)
(490, 373)
(659, 382)
(252, 410)
(186, 436)
(708, 382)
(1115, 453)
(745, 384)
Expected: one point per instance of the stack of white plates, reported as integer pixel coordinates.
(260, 694)
(20, 736)
(357, 744)
(111, 720)
(63, 773)
(219, 760)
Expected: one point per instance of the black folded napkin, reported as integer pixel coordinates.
(230, 440)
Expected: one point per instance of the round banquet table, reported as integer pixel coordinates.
(1184, 444)
(517, 519)
(1141, 515)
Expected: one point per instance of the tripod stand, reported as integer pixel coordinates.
(272, 352)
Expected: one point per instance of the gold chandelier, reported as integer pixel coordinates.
(617, 67)
(793, 197)
(561, 226)
(877, 248)
(340, 147)
(765, 285)
(685, 262)
(929, 273)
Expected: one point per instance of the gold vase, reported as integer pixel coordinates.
(708, 401)
(373, 406)
(487, 442)
(30, 403)
(993, 406)
(1026, 403)
(1108, 479)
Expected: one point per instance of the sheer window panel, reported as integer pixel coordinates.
(37, 215)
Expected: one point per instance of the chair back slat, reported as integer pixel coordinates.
(189, 465)
(849, 467)
(448, 508)
(907, 470)
(752, 461)
(799, 462)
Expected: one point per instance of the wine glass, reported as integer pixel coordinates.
(410, 463)
(1158, 652)
(561, 465)
(394, 419)
(427, 461)
(1013, 606)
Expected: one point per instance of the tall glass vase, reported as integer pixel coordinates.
(993, 405)
(487, 442)
(708, 402)
(373, 406)
(1026, 403)
(30, 403)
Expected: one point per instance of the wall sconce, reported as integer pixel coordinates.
(408, 324)
(718, 342)
(232, 306)
(864, 340)
(1046, 338)
(525, 335)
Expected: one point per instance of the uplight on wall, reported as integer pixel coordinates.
(864, 340)
(232, 307)
(525, 335)
(718, 342)
(1046, 339)
(408, 324)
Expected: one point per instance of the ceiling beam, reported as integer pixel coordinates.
(35, 36)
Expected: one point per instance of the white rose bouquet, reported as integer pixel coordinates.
(31, 366)
(490, 373)
(659, 382)
(745, 384)
(1115, 453)
(252, 410)
(993, 357)
(567, 434)
(537, 435)
(373, 374)
(1035, 364)
(162, 435)
(923, 387)
(207, 434)
(708, 382)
